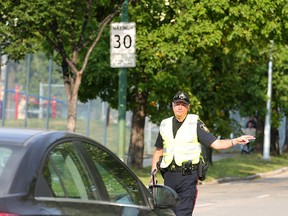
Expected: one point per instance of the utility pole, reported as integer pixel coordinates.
(267, 128)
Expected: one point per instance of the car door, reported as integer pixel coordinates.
(122, 186)
(82, 178)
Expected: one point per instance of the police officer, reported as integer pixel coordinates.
(178, 148)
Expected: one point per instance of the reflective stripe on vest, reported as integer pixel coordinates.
(184, 146)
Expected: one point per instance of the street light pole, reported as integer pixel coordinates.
(267, 128)
(122, 96)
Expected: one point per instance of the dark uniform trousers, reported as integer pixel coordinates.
(186, 188)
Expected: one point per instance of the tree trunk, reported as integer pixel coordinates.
(275, 141)
(72, 84)
(136, 147)
(258, 145)
(285, 146)
(72, 113)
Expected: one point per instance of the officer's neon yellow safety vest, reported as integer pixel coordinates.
(184, 146)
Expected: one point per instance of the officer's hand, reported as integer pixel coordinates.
(153, 177)
(244, 139)
(151, 182)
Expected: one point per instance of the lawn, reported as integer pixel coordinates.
(238, 166)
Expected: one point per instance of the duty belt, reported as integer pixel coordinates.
(174, 168)
(185, 169)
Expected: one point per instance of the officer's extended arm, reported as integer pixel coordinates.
(228, 143)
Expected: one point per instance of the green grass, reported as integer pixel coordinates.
(238, 166)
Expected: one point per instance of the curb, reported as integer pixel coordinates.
(247, 178)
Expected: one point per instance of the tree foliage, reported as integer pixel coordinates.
(217, 51)
(67, 30)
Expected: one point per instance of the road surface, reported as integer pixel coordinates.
(267, 196)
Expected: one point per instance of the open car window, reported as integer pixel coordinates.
(81, 170)
(66, 174)
(121, 186)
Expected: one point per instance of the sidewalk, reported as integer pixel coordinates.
(251, 177)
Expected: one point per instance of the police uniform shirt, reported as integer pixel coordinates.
(204, 136)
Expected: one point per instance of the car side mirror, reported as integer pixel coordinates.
(164, 196)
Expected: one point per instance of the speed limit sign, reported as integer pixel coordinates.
(122, 45)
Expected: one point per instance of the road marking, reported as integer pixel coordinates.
(203, 205)
(263, 196)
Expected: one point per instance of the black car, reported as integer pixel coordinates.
(61, 173)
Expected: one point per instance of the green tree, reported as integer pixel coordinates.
(67, 30)
(217, 51)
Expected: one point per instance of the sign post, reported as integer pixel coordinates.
(122, 56)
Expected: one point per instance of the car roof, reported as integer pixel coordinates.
(17, 136)
(21, 136)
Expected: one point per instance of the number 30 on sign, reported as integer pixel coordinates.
(122, 45)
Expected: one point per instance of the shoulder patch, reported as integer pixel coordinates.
(203, 127)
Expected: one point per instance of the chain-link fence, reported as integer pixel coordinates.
(32, 95)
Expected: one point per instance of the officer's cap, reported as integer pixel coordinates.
(181, 97)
